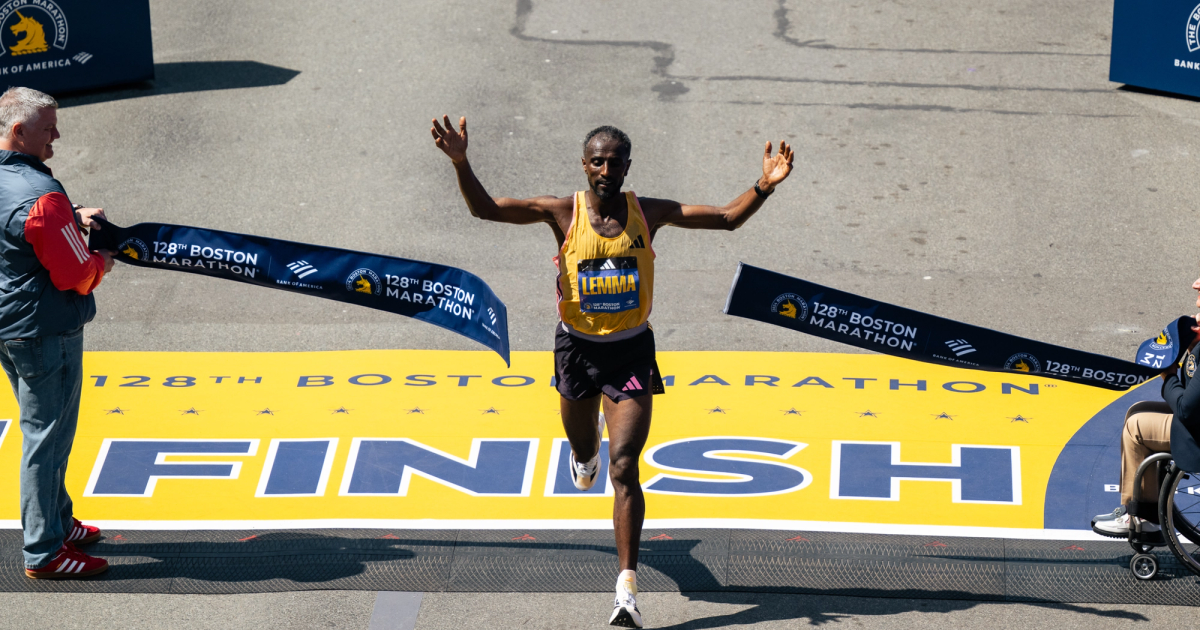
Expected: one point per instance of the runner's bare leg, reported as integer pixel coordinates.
(579, 419)
(628, 428)
(628, 424)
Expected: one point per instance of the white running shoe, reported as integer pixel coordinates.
(584, 475)
(1119, 527)
(625, 611)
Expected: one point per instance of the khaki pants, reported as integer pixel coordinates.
(1147, 431)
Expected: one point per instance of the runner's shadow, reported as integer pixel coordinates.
(189, 76)
(823, 607)
(296, 557)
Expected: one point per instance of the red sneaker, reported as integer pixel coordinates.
(68, 564)
(82, 534)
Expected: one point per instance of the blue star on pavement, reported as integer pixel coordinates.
(868, 414)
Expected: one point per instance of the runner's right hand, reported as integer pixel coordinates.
(453, 144)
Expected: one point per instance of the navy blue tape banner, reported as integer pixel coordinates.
(810, 308)
(444, 296)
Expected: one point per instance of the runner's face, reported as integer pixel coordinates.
(605, 165)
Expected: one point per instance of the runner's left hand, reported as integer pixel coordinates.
(775, 168)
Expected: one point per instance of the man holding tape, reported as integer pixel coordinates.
(46, 281)
(603, 343)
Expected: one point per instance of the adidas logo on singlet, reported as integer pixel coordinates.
(608, 264)
(638, 243)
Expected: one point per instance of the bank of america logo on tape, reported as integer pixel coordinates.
(83, 57)
(301, 268)
(492, 315)
(960, 347)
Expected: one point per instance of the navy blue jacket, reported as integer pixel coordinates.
(32, 304)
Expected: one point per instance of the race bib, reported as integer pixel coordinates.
(608, 285)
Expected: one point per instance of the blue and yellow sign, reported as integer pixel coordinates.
(59, 46)
(427, 439)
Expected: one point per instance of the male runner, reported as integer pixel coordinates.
(603, 343)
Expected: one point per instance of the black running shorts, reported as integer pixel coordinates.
(620, 370)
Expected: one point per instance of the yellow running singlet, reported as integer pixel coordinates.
(605, 285)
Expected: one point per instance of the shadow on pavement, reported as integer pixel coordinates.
(820, 608)
(838, 575)
(189, 76)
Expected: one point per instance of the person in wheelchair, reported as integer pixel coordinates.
(1147, 431)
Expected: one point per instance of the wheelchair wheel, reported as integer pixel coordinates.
(1183, 489)
(1144, 566)
(1179, 502)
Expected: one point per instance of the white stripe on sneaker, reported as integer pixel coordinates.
(79, 569)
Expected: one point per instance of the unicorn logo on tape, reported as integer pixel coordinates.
(364, 281)
(1023, 362)
(791, 306)
(134, 248)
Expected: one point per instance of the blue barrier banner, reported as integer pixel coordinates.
(1156, 45)
(810, 308)
(444, 296)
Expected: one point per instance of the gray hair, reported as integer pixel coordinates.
(21, 105)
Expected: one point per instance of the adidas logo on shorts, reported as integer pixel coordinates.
(632, 385)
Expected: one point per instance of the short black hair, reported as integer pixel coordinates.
(623, 142)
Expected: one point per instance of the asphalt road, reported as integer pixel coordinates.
(979, 145)
(965, 159)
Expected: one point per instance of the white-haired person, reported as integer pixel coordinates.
(47, 276)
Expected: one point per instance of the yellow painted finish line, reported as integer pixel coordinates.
(455, 439)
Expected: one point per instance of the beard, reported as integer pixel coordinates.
(611, 190)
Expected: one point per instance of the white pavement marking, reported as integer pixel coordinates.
(395, 610)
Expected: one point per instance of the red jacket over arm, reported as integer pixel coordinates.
(59, 246)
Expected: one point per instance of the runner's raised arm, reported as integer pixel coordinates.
(482, 205)
(776, 168)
